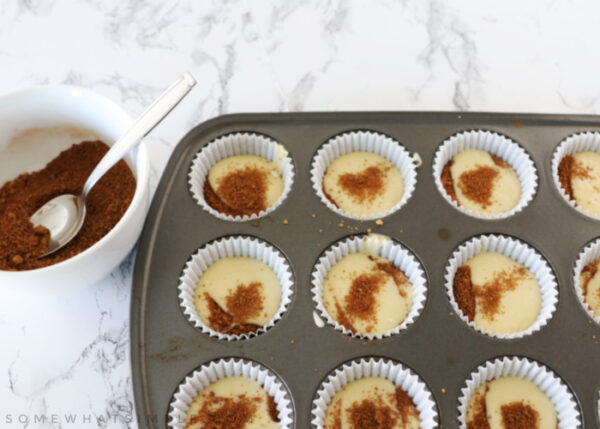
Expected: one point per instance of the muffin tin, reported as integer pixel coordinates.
(439, 347)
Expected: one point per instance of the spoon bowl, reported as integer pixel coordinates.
(64, 215)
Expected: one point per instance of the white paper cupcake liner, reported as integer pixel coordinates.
(549, 382)
(239, 144)
(581, 142)
(378, 245)
(590, 253)
(398, 374)
(236, 246)
(494, 144)
(518, 251)
(364, 141)
(223, 368)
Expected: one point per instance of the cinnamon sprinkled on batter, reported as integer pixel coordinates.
(365, 185)
(245, 302)
(479, 420)
(369, 415)
(224, 413)
(448, 181)
(394, 272)
(567, 170)
(490, 294)
(272, 408)
(477, 184)
(241, 192)
(221, 321)
(518, 415)
(499, 161)
(342, 318)
(463, 292)
(406, 406)
(360, 302)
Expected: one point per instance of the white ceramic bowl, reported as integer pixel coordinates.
(81, 109)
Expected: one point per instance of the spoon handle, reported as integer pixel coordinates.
(151, 117)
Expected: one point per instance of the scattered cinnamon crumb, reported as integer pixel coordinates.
(342, 318)
(314, 215)
(292, 341)
(369, 230)
(285, 222)
(341, 224)
(443, 390)
(396, 274)
(379, 222)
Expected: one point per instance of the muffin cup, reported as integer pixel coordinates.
(549, 382)
(239, 144)
(520, 252)
(494, 144)
(590, 253)
(377, 245)
(217, 370)
(364, 141)
(376, 367)
(236, 246)
(581, 142)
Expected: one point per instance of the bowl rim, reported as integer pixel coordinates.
(140, 168)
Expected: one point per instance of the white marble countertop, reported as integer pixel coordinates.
(65, 360)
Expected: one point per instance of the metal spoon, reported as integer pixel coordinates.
(63, 216)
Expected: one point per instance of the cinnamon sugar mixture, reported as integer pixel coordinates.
(477, 185)
(587, 273)
(241, 192)
(518, 415)
(244, 303)
(365, 185)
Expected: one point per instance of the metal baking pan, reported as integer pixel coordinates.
(439, 346)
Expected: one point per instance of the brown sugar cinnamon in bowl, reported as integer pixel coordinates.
(21, 244)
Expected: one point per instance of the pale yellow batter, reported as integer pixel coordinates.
(240, 162)
(391, 302)
(505, 187)
(354, 167)
(236, 389)
(377, 391)
(223, 278)
(586, 186)
(507, 392)
(494, 274)
(591, 288)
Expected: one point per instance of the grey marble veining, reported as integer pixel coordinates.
(67, 357)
